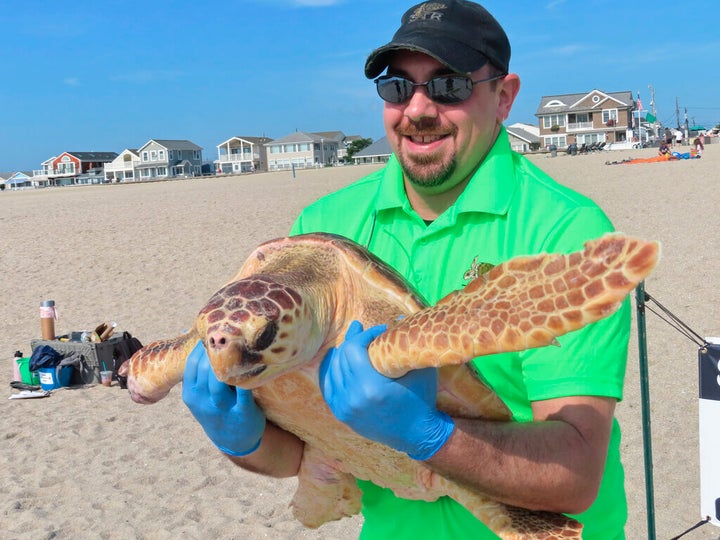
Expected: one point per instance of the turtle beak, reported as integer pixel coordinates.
(232, 361)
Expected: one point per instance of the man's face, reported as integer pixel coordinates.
(439, 146)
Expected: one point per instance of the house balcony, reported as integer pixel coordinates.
(124, 166)
(579, 126)
(235, 158)
(57, 173)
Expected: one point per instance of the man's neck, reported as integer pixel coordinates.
(429, 206)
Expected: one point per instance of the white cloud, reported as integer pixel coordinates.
(553, 4)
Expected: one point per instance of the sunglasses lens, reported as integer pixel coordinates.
(394, 89)
(445, 90)
(448, 90)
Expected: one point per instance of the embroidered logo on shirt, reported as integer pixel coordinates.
(477, 269)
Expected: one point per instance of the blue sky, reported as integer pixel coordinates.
(107, 75)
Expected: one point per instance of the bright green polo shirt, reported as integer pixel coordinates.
(509, 208)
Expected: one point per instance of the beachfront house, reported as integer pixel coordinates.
(343, 148)
(16, 180)
(73, 168)
(304, 150)
(122, 168)
(168, 158)
(242, 154)
(523, 137)
(586, 118)
(377, 152)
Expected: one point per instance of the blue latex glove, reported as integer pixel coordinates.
(399, 413)
(229, 415)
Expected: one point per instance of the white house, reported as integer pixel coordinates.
(122, 168)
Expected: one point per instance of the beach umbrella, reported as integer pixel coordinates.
(697, 128)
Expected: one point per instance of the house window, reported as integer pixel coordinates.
(179, 154)
(590, 138)
(145, 173)
(153, 155)
(553, 120)
(161, 155)
(560, 141)
(196, 155)
(162, 171)
(276, 149)
(609, 114)
(170, 155)
(145, 156)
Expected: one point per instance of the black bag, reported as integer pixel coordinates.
(123, 351)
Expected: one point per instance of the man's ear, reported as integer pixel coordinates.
(508, 91)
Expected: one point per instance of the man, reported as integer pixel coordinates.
(452, 197)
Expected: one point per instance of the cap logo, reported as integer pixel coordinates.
(428, 11)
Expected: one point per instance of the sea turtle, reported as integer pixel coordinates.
(270, 326)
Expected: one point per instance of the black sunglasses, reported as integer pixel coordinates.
(447, 89)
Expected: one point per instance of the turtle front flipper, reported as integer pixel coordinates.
(155, 369)
(524, 303)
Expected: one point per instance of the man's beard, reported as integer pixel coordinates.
(427, 171)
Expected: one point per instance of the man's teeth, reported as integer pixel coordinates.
(425, 139)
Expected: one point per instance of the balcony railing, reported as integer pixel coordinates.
(577, 126)
(124, 166)
(224, 158)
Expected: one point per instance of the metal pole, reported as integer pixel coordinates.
(645, 400)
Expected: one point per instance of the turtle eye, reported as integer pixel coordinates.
(267, 336)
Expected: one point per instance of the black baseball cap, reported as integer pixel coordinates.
(460, 34)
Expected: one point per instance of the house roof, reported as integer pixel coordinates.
(584, 102)
(19, 177)
(296, 136)
(302, 136)
(253, 140)
(381, 147)
(523, 134)
(173, 144)
(331, 135)
(94, 156)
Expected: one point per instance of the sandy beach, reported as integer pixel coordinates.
(87, 462)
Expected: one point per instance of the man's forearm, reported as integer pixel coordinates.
(279, 454)
(551, 465)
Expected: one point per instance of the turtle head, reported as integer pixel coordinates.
(256, 329)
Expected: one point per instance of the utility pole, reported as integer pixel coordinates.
(652, 100)
(677, 112)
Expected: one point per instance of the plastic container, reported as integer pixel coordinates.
(48, 316)
(52, 378)
(27, 376)
(16, 366)
(106, 378)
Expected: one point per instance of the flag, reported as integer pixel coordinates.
(650, 117)
(639, 103)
